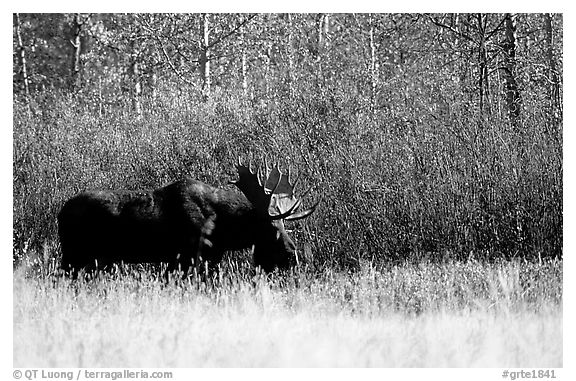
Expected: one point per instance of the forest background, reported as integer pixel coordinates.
(425, 134)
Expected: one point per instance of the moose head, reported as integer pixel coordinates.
(271, 193)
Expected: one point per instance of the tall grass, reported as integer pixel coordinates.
(505, 314)
(395, 182)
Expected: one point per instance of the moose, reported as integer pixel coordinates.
(183, 224)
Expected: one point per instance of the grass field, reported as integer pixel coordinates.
(454, 314)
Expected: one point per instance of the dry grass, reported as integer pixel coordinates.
(365, 319)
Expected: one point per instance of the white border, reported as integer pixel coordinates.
(301, 6)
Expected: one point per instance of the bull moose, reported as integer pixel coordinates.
(184, 223)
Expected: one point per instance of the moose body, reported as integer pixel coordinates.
(181, 224)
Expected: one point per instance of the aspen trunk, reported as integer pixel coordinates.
(22, 57)
(204, 60)
(243, 73)
(555, 108)
(511, 92)
(290, 53)
(373, 65)
(137, 84)
(77, 44)
(483, 84)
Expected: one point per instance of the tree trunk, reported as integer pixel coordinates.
(320, 33)
(322, 30)
(244, 65)
(373, 64)
(154, 86)
(555, 110)
(322, 25)
(290, 54)
(511, 92)
(204, 60)
(325, 29)
(77, 44)
(100, 99)
(22, 58)
(483, 84)
(137, 82)
(267, 69)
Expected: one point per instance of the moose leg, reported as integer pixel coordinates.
(213, 263)
(185, 257)
(72, 268)
(76, 258)
(195, 249)
(181, 264)
(205, 252)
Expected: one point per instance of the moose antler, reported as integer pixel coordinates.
(275, 196)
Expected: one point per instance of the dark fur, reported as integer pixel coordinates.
(169, 225)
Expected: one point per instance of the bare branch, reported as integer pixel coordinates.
(160, 45)
(450, 28)
(491, 33)
(231, 32)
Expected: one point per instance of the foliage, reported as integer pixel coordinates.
(379, 113)
(388, 191)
